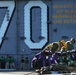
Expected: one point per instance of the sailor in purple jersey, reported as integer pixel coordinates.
(41, 59)
(54, 59)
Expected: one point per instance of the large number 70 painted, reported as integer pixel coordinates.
(27, 8)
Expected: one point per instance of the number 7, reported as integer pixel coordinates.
(10, 7)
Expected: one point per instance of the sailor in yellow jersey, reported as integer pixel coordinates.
(55, 46)
(69, 44)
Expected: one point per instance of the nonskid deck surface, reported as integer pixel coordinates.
(9, 72)
(17, 73)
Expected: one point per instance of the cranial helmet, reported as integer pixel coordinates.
(64, 53)
(73, 40)
(62, 41)
(46, 51)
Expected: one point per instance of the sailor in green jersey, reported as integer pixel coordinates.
(7, 62)
(12, 64)
(2, 62)
(65, 59)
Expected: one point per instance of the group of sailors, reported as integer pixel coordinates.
(7, 62)
(60, 52)
(24, 63)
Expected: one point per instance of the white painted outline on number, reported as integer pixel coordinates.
(10, 6)
(27, 8)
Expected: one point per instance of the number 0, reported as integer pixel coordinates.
(27, 8)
